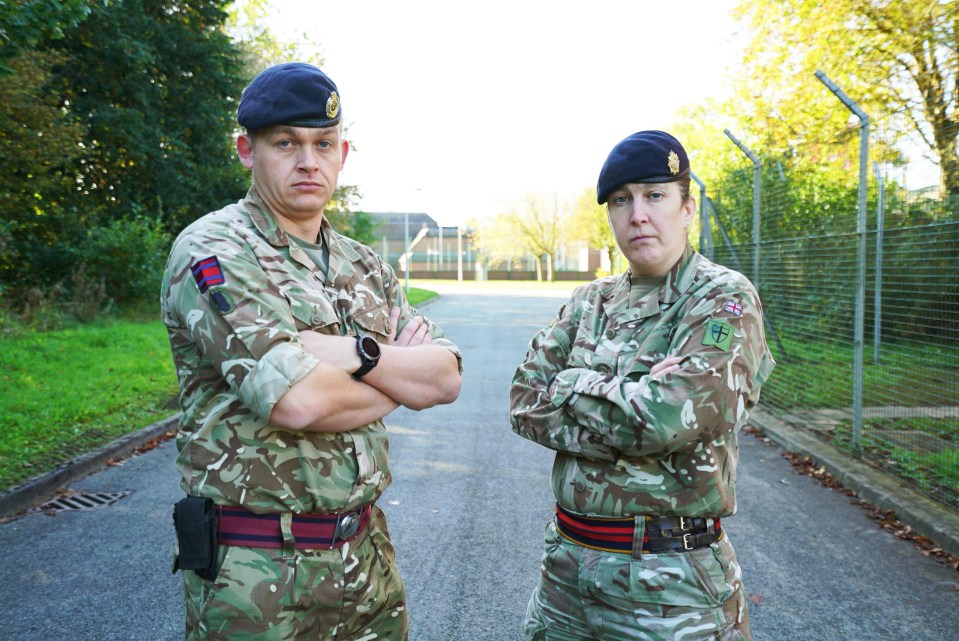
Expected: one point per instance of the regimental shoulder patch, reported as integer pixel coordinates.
(207, 273)
(718, 333)
(733, 307)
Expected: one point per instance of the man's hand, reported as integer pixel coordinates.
(415, 333)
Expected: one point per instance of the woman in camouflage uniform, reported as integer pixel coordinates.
(641, 385)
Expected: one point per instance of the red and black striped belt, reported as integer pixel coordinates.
(238, 526)
(661, 534)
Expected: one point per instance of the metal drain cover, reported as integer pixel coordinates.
(83, 501)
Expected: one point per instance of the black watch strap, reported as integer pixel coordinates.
(363, 370)
(369, 351)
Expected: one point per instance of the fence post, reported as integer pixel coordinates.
(407, 252)
(705, 231)
(860, 260)
(877, 303)
(757, 194)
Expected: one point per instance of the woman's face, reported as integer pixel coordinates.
(650, 221)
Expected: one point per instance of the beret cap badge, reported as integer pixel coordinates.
(333, 105)
(673, 162)
(649, 156)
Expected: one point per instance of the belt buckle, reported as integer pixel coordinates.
(686, 544)
(683, 522)
(347, 525)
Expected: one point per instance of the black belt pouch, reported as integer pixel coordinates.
(194, 519)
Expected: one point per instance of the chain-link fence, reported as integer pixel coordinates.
(861, 302)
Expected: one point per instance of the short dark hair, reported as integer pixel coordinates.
(684, 186)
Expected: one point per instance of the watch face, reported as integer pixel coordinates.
(371, 347)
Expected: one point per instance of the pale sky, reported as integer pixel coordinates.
(459, 109)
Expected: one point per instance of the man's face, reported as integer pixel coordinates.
(649, 222)
(295, 169)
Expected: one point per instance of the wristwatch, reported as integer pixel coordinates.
(369, 351)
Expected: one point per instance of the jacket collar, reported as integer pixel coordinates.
(678, 280)
(342, 252)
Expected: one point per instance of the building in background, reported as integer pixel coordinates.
(438, 251)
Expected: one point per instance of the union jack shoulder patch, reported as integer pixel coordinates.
(734, 308)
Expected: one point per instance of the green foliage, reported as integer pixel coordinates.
(154, 84)
(128, 256)
(109, 110)
(38, 145)
(261, 47)
(363, 228)
(24, 23)
(897, 60)
(588, 222)
(115, 116)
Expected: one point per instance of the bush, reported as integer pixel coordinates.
(126, 257)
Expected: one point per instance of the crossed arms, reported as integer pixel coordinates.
(411, 372)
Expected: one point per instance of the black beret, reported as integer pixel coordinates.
(293, 93)
(645, 157)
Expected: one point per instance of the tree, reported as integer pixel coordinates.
(247, 27)
(38, 141)
(25, 23)
(38, 146)
(534, 227)
(588, 222)
(155, 84)
(898, 60)
(363, 228)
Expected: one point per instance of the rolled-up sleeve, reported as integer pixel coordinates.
(240, 328)
(272, 376)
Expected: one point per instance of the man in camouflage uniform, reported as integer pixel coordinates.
(291, 343)
(641, 385)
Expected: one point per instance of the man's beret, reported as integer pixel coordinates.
(645, 157)
(292, 93)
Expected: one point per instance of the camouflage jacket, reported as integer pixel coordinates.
(626, 443)
(235, 294)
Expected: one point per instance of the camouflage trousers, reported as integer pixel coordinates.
(353, 593)
(590, 595)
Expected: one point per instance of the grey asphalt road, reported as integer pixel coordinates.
(467, 511)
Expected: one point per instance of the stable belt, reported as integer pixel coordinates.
(661, 534)
(238, 526)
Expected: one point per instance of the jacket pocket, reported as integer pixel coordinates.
(311, 310)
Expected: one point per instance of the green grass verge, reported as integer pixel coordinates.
(66, 392)
(916, 446)
(417, 296)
